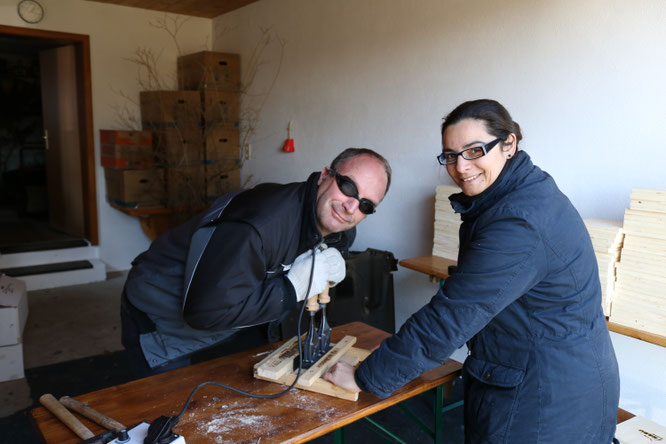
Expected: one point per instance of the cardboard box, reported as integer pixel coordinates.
(126, 138)
(11, 362)
(209, 70)
(170, 109)
(126, 149)
(220, 109)
(220, 180)
(13, 310)
(179, 147)
(222, 147)
(142, 188)
(185, 187)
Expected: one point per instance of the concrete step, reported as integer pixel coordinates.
(25, 259)
(59, 274)
(54, 267)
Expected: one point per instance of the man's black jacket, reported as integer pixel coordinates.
(239, 274)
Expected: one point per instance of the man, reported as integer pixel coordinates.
(246, 261)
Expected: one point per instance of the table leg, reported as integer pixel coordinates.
(339, 436)
(439, 421)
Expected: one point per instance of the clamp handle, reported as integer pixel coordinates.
(323, 298)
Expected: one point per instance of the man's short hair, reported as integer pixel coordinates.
(353, 152)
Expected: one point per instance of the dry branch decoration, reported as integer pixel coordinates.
(253, 102)
(148, 76)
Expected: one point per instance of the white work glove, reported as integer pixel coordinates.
(329, 268)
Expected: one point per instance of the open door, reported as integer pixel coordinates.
(61, 133)
(67, 102)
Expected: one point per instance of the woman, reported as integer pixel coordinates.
(525, 296)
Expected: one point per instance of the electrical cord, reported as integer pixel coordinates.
(160, 430)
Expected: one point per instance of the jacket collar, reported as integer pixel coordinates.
(514, 171)
(310, 234)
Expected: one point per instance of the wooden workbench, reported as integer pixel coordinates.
(434, 266)
(217, 414)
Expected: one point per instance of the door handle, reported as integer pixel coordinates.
(46, 138)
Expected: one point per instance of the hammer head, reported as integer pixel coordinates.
(102, 438)
(110, 435)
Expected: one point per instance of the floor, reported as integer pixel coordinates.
(63, 324)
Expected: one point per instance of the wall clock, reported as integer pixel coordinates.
(30, 11)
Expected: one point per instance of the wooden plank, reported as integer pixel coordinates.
(638, 334)
(320, 386)
(327, 361)
(431, 265)
(355, 355)
(278, 367)
(280, 361)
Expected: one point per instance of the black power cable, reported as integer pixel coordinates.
(160, 430)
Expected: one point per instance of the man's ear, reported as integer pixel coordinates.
(323, 175)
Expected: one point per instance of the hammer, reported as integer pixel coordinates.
(59, 410)
(91, 413)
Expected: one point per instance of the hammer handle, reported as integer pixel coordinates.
(91, 413)
(48, 401)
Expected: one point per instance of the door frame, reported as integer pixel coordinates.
(81, 43)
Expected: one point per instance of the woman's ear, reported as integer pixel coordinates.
(509, 145)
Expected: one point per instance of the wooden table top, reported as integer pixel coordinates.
(430, 265)
(217, 414)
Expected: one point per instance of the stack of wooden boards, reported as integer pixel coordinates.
(446, 242)
(639, 300)
(607, 237)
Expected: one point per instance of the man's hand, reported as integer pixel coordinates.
(335, 267)
(342, 375)
(329, 269)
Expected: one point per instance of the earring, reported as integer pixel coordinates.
(509, 156)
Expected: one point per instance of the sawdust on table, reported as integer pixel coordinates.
(228, 418)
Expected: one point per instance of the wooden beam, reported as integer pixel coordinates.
(327, 361)
(278, 367)
(279, 362)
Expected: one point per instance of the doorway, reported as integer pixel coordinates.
(48, 195)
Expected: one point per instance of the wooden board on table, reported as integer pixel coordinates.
(283, 359)
(327, 361)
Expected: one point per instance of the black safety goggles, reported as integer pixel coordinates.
(348, 188)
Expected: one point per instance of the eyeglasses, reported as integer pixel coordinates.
(449, 157)
(348, 188)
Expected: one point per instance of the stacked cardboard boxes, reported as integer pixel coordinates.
(208, 70)
(196, 130)
(447, 224)
(126, 149)
(174, 117)
(216, 77)
(131, 180)
(640, 291)
(13, 315)
(607, 237)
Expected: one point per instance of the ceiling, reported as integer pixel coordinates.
(195, 8)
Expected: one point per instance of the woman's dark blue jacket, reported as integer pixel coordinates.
(526, 298)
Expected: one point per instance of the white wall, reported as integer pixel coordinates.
(115, 33)
(585, 80)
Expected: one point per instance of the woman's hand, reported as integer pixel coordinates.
(342, 375)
